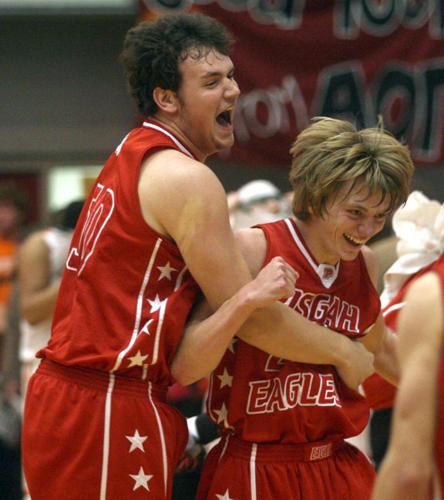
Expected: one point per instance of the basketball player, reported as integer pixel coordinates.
(96, 424)
(41, 262)
(284, 422)
(417, 438)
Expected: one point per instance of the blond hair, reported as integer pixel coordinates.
(332, 152)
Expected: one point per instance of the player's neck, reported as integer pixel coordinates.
(314, 242)
(172, 127)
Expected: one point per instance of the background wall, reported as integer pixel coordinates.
(64, 101)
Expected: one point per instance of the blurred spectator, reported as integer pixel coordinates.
(256, 202)
(13, 206)
(41, 264)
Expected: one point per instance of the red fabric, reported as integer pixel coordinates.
(125, 294)
(64, 433)
(345, 475)
(273, 400)
(380, 393)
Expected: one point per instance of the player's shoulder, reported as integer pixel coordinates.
(424, 289)
(172, 169)
(34, 245)
(253, 245)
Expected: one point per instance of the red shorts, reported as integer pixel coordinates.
(92, 435)
(327, 470)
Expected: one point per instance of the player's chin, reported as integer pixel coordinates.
(351, 254)
(224, 144)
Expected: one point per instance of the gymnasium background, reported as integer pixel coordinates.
(64, 106)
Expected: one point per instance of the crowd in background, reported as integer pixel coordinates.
(32, 260)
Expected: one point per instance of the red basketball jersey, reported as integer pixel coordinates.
(380, 393)
(265, 399)
(126, 292)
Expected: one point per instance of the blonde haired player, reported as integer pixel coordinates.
(284, 422)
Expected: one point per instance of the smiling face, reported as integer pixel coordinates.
(206, 101)
(351, 219)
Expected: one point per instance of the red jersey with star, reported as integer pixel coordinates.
(125, 293)
(266, 399)
(380, 393)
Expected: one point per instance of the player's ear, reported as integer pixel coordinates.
(166, 100)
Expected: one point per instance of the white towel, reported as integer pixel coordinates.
(419, 226)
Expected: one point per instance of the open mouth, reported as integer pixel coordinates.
(354, 241)
(224, 119)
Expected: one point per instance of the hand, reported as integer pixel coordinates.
(274, 282)
(190, 457)
(357, 365)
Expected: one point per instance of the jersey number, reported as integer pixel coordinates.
(99, 212)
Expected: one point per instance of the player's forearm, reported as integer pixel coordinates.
(39, 306)
(400, 478)
(203, 344)
(296, 338)
(408, 466)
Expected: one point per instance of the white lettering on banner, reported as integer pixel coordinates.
(100, 210)
(380, 19)
(407, 95)
(297, 389)
(374, 17)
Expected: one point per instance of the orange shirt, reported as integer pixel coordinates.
(8, 254)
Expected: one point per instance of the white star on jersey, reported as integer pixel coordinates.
(165, 271)
(141, 479)
(136, 441)
(225, 379)
(156, 304)
(221, 414)
(145, 328)
(225, 496)
(137, 359)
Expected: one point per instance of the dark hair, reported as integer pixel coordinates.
(152, 51)
(70, 214)
(12, 194)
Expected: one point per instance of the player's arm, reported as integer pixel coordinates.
(37, 297)
(208, 334)
(273, 329)
(379, 340)
(183, 198)
(407, 469)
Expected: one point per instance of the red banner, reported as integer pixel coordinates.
(352, 59)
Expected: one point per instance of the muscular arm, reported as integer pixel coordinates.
(36, 296)
(183, 199)
(407, 468)
(208, 334)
